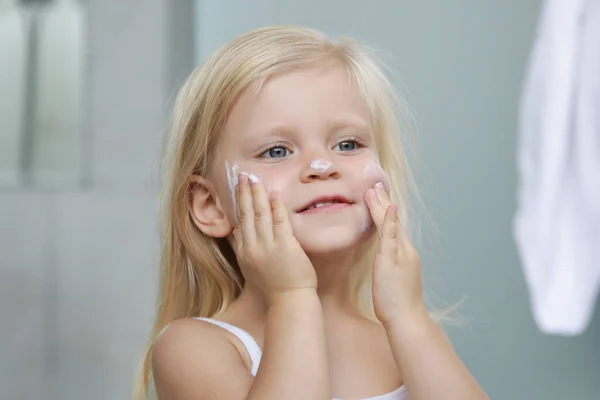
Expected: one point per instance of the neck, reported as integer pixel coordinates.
(333, 275)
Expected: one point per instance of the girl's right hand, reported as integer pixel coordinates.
(267, 251)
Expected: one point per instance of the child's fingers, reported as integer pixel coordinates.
(245, 210)
(263, 221)
(405, 246)
(237, 239)
(376, 210)
(388, 241)
(281, 223)
(384, 199)
(377, 201)
(382, 195)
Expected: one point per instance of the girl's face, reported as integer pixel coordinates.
(306, 134)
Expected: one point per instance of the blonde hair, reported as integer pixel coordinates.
(199, 274)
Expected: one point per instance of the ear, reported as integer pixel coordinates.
(206, 210)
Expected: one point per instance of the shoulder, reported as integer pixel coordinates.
(194, 359)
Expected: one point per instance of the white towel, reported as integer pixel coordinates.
(557, 225)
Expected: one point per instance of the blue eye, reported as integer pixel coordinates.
(347, 145)
(275, 152)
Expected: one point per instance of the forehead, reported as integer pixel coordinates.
(302, 99)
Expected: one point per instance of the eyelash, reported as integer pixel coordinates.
(276, 145)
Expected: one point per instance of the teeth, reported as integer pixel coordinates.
(321, 204)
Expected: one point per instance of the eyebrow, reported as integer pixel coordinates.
(347, 122)
(333, 125)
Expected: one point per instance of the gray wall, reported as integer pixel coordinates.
(460, 65)
(78, 267)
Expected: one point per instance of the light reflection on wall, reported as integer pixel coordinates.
(42, 68)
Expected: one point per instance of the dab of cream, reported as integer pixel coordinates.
(372, 173)
(320, 165)
(232, 180)
(366, 220)
(253, 178)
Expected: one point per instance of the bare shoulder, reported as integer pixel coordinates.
(193, 359)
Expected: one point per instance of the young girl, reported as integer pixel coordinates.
(286, 271)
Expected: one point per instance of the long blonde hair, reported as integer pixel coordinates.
(199, 274)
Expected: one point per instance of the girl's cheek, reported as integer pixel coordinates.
(271, 181)
(279, 184)
(372, 173)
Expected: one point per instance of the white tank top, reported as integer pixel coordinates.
(255, 354)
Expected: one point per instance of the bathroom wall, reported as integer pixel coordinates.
(78, 265)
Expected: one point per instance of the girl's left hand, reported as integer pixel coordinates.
(397, 286)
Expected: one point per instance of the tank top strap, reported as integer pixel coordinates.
(248, 341)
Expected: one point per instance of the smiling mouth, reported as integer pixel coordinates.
(321, 206)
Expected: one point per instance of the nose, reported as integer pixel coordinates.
(319, 169)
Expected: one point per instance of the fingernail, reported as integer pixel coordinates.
(380, 185)
(253, 178)
(243, 177)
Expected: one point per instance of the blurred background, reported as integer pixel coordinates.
(85, 89)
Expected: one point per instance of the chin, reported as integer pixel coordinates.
(329, 233)
(332, 240)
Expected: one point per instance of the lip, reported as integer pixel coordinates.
(328, 208)
(342, 202)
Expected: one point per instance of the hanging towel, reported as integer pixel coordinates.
(557, 224)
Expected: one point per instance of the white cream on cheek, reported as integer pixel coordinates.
(372, 173)
(233, 173)
(366, 221)
(232, 181)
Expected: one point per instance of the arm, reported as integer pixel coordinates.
(423, 354)
(430, 368)
(193, 360)
(294, 363)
